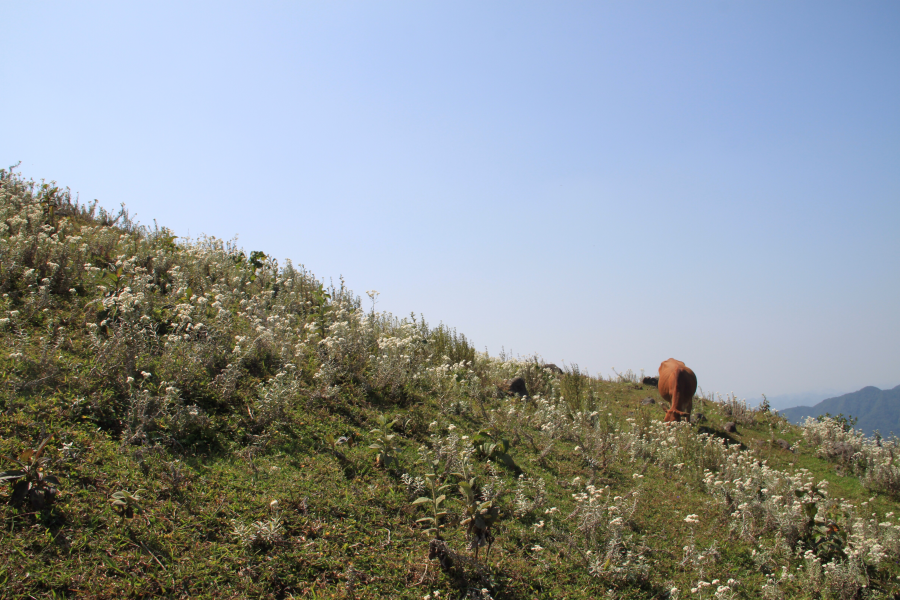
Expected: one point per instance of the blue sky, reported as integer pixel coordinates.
(607, 184)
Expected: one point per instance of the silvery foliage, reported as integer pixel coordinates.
(275, 396)
(604, 537)
(842, 580)
(415, 486)
(259, 533)
(160, 418)
(530, 495)
(494, 487)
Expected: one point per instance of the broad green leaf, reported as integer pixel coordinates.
(507, 460)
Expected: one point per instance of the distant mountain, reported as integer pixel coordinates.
(876, 409)
(783, 401)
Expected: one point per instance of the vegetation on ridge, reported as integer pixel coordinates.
(182, 419)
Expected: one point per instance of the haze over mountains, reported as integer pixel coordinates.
(876, 409)
(785, 401)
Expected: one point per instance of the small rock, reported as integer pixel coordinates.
(654, 381)
(648, 400)
(698, 418)
(840, 450)
(553, 368)
(514, 386)
(730, 427)
(784, 444)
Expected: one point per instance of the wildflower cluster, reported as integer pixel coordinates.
(873, 459)
(604, 537)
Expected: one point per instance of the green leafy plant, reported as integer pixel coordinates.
(829, 540)
(825, 536)
(127, 503)
(30, 481)
(490, 446)
(480, 517)
(436, 500)
(384, 442)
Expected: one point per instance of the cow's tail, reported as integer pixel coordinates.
(678, 402)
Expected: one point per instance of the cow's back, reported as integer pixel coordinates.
(677, 384)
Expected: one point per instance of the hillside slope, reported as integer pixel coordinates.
(181, 419)
(875, 409)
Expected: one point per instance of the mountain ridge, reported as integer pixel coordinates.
(875, 409)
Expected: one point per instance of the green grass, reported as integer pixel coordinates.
(348, 528)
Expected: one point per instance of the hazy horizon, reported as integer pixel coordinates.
(608, 184)
(810, 399)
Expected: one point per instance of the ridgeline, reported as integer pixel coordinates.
(875, 410)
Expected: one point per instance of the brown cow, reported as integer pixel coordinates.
(677, 385)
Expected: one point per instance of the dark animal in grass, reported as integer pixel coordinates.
(677, 385)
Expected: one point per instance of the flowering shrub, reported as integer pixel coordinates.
(873, 459)
(603, 536)
(672, 445)
(530, 496)
(762, 499)
(164, 419)
(276, 396)
(736, 410)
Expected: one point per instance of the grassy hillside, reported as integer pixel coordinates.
(875, 410)
(184, 419)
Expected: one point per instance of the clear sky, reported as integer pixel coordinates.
(603, 183)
